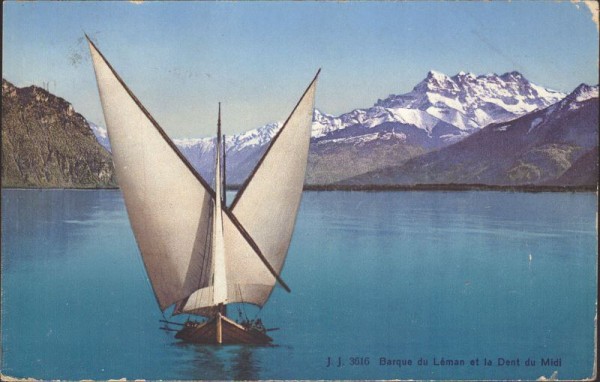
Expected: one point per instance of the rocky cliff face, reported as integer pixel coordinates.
(46, 143)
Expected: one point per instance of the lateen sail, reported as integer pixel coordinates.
(268, 203)
(169, 208)
(172, 209)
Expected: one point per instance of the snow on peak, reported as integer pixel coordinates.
(434, 74)
(584, 92)
(574, 100)
(442, 107)
(101, 135)
(462, 76)
(436, 81)
(98, 131)
(468, 101)
(193, 142)
(513, 76)
(464, 102)
(324, 124)
(253, 138)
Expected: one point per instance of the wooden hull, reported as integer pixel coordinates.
(222, 330)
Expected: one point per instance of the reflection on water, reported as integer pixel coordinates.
(245, 365)
(231, 362)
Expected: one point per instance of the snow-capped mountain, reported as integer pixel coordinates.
(243, 152)
(447, 108)
(574, 100)
(101, 135)
(557, 145)
(248, 140)
(439, 111)
(468, 101)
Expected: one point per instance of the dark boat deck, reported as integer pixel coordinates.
(230, 333)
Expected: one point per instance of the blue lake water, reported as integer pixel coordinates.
(470, 276)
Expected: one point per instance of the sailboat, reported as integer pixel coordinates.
(200, 254)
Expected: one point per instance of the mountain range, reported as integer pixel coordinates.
(493, 129)
(439, 111)
(557, 145)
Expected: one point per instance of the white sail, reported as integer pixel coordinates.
(266, 209)
(168, 204)
(268, 203)
(248, 279)
(197, 252)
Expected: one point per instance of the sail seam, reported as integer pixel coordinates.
(249, 179)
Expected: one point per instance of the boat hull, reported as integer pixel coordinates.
(222, 331)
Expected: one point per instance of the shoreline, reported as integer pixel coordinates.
(452, 187)
(383, 188)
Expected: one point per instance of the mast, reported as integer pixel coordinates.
(218, 244)
(224, 173)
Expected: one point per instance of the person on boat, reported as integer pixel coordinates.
(258, 325)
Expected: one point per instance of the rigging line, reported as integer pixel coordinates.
(178, 308)
(258, 312)
(239, 313)
(203, 266)
(224, 175)
(206, 251)
(205, 260)
(242, 299)
(218, 153)
(202, 290)
(163, 315)
(204, 263)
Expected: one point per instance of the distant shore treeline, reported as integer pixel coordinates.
(375, 188)
(450, 187)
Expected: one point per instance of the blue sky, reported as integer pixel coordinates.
(181, 58)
